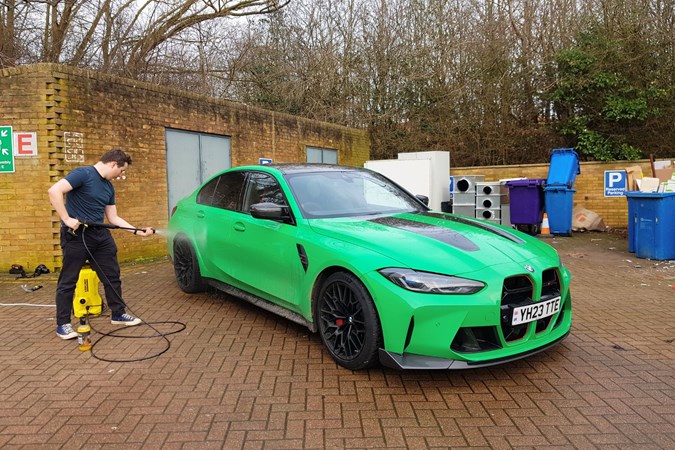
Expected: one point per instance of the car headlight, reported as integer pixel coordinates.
(431, 283)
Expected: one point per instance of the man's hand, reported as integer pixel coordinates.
(72, 223)
(145, 231)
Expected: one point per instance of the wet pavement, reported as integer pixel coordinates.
(240, 377)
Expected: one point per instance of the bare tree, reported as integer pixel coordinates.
(475, 77)
(112, 35)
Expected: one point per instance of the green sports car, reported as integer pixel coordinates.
(383, 279)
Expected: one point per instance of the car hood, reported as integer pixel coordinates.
(437, 242)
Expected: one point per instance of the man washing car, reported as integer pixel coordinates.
(90, 198)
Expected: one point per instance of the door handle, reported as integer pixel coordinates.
(238, 226)
(200, 214)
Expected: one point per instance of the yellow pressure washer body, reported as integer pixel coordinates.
(87, 301)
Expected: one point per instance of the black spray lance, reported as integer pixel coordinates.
(114, 227)
(109, 225)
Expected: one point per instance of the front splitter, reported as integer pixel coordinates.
(410, 361)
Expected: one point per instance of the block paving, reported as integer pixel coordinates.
(237, 377)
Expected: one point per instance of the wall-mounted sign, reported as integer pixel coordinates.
(25, 143)
(264, 160)
(6, 150)
(615, 183)
(73, 147)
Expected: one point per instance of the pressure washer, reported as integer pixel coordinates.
(86, 302)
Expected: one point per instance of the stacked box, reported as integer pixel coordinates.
(464, 210)
(493, 214)
(490, 196)
(464, 194)
(467, 183)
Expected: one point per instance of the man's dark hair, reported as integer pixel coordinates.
(116, 155)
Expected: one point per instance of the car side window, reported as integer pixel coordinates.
(205, 195)
(262, 188)
(223, 192)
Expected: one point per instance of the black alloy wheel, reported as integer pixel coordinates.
(186, 267)
(348, 322)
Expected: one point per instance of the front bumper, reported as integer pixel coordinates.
(438, 331)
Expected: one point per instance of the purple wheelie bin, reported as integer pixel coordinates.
(526, 204)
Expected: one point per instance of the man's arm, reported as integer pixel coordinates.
(56, 193)
(113, 218)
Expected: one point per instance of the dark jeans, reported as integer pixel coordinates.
(98, 246)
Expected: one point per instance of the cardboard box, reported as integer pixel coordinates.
(663, 170)
(648, 184)
(664, 174)
(633, 174)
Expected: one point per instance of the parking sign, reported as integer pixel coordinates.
(615, 183)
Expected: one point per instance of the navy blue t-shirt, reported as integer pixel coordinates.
(90, 195)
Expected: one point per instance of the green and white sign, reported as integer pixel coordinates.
(6, 150)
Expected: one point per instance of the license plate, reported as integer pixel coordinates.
(530, 313)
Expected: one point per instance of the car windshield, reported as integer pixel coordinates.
(348, 193)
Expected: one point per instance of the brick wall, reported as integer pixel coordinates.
(25, 225)
(589, 185)
(112, 112)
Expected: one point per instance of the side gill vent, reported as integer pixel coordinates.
(408, 336)
(302, 254)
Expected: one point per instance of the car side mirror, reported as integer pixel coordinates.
(423, 198)
(270, 211)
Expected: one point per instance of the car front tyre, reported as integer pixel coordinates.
(348, 322)
(186, 267)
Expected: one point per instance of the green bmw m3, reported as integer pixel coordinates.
(358, 259)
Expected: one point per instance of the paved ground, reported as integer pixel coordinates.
(239, 377)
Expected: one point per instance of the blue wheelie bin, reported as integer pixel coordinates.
(526, 204)
(651, 224)
(559, 193)
(563, 167)
(559, 203)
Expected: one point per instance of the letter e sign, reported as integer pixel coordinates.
(25, 143)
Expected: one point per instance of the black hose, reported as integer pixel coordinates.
(113, 334)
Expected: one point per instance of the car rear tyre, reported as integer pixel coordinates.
(531, 229)
(186, 267)
(348, 322)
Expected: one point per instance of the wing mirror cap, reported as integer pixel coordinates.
(270, 211)
(423, 198)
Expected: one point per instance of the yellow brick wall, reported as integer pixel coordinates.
(114, 112)
(589, 185)
(25, 225)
